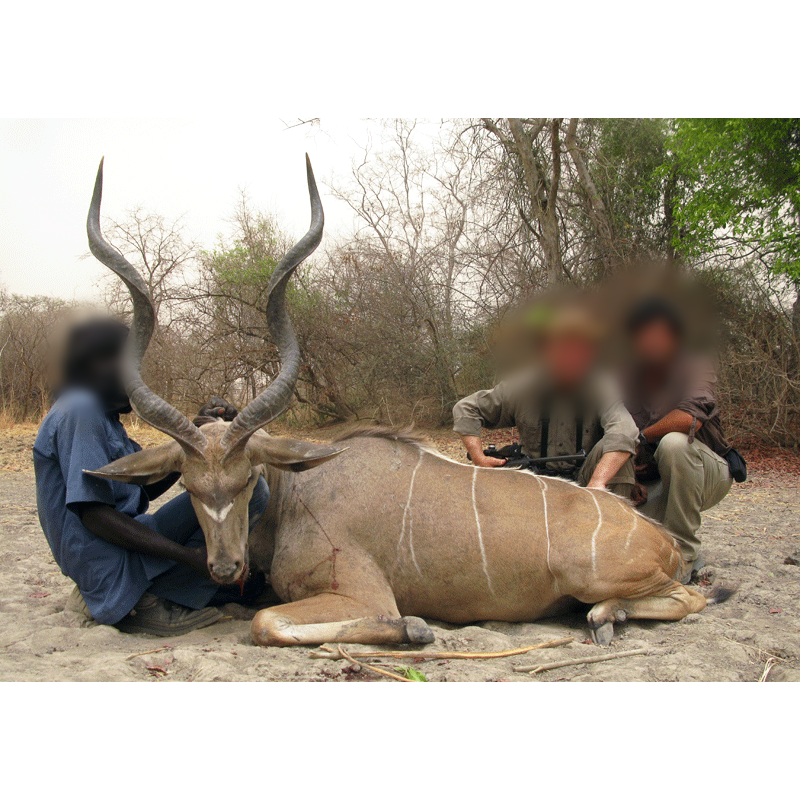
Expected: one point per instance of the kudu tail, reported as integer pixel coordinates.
(720, 593)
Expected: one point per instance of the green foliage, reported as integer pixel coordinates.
(241, 267)
(246, 261)
(630, 159)
(237, 266)
(412, 674)
(744, 178)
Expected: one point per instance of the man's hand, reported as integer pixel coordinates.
(475, 450)
(218, 408)
(638, 495)
(488, 461)
(197, 559)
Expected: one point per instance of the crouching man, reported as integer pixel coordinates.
(561, 405)
(144, 573)
(670, 394)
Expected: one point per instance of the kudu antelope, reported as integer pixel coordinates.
(220, 461)
(391, 531)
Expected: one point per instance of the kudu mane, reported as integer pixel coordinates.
(393, 434)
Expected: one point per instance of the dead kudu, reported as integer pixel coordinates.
(361, 548)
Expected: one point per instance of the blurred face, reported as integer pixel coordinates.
(569, 359)
(105, 378)
(655, 343)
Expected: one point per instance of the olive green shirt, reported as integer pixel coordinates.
(594, 414)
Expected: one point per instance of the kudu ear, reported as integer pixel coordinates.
(290, 454)
(146, 466)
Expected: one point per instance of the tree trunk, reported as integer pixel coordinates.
(543, 197)
(595, 206)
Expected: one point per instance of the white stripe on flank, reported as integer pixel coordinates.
(596, 530)
(408, 517)
(546, 527)
(633, 528)
(218, 516)
(480, 533)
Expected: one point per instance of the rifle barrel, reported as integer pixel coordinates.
(544, 460)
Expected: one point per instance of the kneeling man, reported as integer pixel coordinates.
(563, 404)
(670, 395)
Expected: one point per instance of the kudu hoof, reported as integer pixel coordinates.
(417, 631)
(603, 634)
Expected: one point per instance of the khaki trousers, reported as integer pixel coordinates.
(693, 479)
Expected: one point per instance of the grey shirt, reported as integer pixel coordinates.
(595, 414)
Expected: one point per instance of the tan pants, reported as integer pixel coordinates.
(693, 479)
(621, 484)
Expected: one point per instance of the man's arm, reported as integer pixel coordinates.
(619, 434)
(121, 530)
(484, 409)
(697, 406)
(676, 421)
(607, 467)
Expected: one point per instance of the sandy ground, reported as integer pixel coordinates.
(748, 540)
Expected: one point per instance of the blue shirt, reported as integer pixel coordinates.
(78, 434)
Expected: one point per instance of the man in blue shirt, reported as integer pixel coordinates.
(144, 573)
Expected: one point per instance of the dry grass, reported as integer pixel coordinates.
(17, 438)
(9, 421)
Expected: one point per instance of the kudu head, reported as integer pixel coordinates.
(220, 461)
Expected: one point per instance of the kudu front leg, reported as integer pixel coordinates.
(333, 618)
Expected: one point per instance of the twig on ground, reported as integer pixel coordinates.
(332, 654)
(757, 649)
(149, 652)
(360, 664)
(536, 668)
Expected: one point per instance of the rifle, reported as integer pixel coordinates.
(516, 459)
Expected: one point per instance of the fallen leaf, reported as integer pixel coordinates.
(412, 674)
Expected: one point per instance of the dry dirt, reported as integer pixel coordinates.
(748, 540)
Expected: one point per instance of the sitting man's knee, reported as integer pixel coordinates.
(673, 445)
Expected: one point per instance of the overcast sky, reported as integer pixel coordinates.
(173, 167)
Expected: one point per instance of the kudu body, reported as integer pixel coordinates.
(391, 531)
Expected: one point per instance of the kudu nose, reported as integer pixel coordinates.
(225, 571)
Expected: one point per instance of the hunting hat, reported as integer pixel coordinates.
(560, 321)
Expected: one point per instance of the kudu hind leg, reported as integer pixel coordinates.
(674, 603)
(334, 618)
